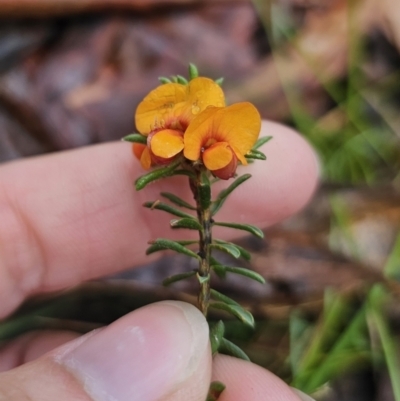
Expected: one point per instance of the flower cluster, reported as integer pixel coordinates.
(190, 120)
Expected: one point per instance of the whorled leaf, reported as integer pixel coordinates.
(235, 310)
(193, 71)
(215, 390)
(245, 254)
(164, 80)
(161, 244)
(255, 154)
(167, 208)
(221, 271)
(229, 348)
(261, 141)
(223, 195)
(178, 277)
(244, 227)
(191, 224)
(182, 80)
(217, 332)
(157, 174)
(230, 249)
(177, 200)
(222, 298)
(135, 138)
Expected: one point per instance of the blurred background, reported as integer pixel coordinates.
(72, 73)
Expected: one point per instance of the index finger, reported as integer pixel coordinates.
(73, 216)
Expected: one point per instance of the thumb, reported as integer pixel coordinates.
(159, 352)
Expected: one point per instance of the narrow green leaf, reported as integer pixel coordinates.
(229, 348)
(216, 334)
(136, 138)
(187, 242)
(161, 244)
(242, 271)
(222, 196)
(227, 248)
(174, 79)
(204, 189)
(178, 277)
(245, 227)
(182, 80)
(245, 254)
(193, 71)
(215, 390)
(191, 224)
(178, 201)
(235, 310)
(219, 81)
(222, 298)
(261, 141)
(167, 208)
(219, 270)
(255, 154)
(164, 80)
(157, 174)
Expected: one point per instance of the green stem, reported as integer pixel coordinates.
(204, 217)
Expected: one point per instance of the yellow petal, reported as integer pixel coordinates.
(217, 156)
(167, 143)
(239, 125)
(204, 92)
(145, 159)
(157, 105)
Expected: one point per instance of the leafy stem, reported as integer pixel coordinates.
(200, 187)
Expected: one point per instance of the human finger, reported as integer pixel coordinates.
(73, 216)
(159, 352)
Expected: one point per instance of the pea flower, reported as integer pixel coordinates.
(219, 137)
(166, 112)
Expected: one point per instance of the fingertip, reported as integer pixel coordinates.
(247, 381)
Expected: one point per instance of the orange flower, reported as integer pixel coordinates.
(165, 113)
(220, 136)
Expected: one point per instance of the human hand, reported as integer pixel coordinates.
(73, 216)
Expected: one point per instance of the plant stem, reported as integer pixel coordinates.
(204, 217)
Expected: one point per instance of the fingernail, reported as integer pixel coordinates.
(142, 356)
(302, 396)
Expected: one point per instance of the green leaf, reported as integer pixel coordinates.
(191, 224)
(245, 227)
(215, 390)
(203, 279)
(216, 334)
(204, 189)
(221, 270)
(245, 254)
(136, 138)
(157, 174)
(178, 277)
(222, 298)
(219, 81)
(164, 80)
(193, 71)
(261, 141)
(167, 208)
(235, 310)
(230, 348)
(174, 79)
(184, 172)
(187, 242)
(230, 249)
(161, 244)
(255, 154)
(178, 201)
(222, 196)
(182, 80)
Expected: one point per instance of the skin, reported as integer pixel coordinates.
(75, 216)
